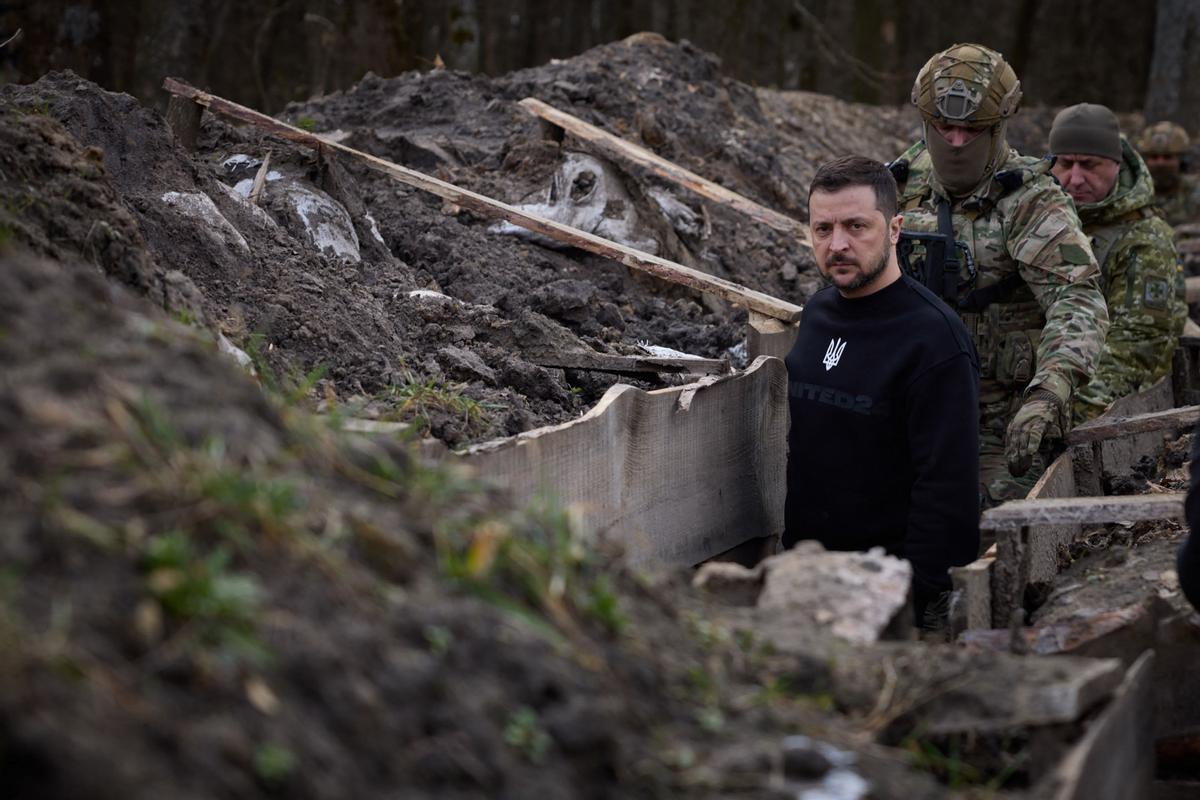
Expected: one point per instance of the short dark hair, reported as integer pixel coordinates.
(849, 171)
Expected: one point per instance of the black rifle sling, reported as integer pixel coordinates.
(945, 285)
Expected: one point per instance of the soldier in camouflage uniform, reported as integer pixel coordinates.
(1030, 292)
(1177, 193)
(1139, 268)
(1162, 146)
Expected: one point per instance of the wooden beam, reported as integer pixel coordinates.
(769, 337)
(1083, 510)
(1115, 758)
(609, 362)
(620, 465)
(1103, 428)
(1193, 289)
(617, 148)
(183, 116)
(494, 209)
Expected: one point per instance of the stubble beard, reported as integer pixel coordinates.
(864, 277)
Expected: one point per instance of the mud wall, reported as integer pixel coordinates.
(267, 52)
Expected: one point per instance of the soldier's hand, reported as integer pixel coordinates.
(1039, 418)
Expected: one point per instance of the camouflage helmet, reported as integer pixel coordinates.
(1163, 138)
(967, 84)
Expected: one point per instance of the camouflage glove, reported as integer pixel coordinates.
(1040, 417)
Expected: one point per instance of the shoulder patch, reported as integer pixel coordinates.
(1074, 254)
(1157, 294)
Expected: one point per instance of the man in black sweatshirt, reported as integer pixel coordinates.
(883, 385)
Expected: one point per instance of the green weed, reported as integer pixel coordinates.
(306, 124)
(273, 763)
(291, 387)
(420, 401)
(439, 638)
(200, 590)
(524, 732)
(948, 763)
(534, 562)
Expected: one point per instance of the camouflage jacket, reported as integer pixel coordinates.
(1181, 206)
(1026, 241)
(1143, 286)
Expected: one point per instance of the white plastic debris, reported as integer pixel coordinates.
(375, 229)
(841, 782)
(239, 160)
(236, 353)
(200, 206)
(430, 294)
(586, 195)
(664, 352)
(327, 224)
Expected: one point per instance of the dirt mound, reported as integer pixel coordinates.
(58, 202)
(415, 310)
(245, 603)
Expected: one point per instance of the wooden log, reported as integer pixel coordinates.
(494, 209)
(630, 465)
(619, 149)
(183, 115)
(608, 362)
(1193, 289)
(973, 584)
(1115, 758)
(769, 337)
(1104, 427)
(1083, 510)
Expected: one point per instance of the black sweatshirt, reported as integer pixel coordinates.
(883, 449)
(1189, 555)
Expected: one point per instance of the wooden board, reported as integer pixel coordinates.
(769, 337)
(1045, 540)
(1084, 510)
(1118, 456)
(675, 475)
(609, 362)
(973, 583)
(1105, 427)
(494, 209)
(618, 149)
(1193, 289)
(1115, 758)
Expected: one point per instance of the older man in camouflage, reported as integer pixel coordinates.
(1139, 268)
(1028, 285)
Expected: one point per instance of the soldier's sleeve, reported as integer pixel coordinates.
(1056, 261)
(1146, 312)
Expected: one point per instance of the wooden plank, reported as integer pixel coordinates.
(1193, 289)
(619, 149)
(1115, 758)
(609, 362)
(1045, 540)
(494, 209)
(769, 337)
(676, 476)
(1084, 510)
(183, 115)
(973, 583)
(1105, 427)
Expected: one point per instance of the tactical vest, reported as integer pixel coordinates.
(1001, 314)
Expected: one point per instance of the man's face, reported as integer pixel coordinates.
(1088, 179)
(1164, 168)
(852, 242)
(957, 135)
